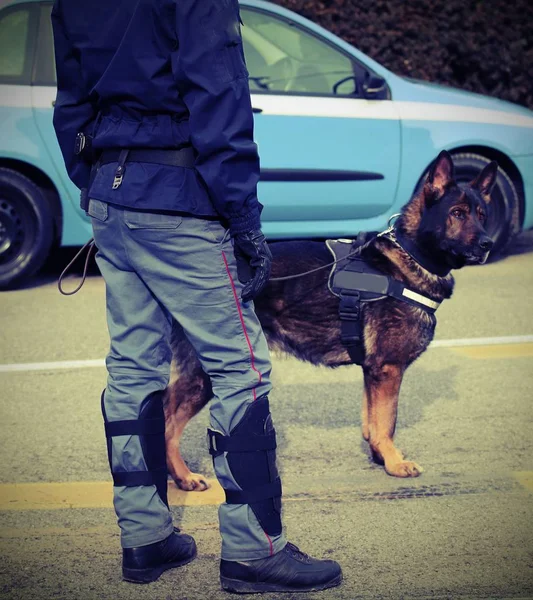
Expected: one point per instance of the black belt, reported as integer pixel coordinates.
(185, 157)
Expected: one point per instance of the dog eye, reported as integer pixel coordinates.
(458, 214)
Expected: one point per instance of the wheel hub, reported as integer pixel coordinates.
(11, 230)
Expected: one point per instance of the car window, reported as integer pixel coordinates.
(45, 71)
(283, 58)
(15, 44)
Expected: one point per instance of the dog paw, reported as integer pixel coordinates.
(193, 482)
(405, 468)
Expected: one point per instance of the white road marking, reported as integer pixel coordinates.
(53, 366)
(488, 341)
(100, 362)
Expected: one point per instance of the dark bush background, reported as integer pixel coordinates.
(484, 46)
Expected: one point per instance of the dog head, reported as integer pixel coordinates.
(451, 218)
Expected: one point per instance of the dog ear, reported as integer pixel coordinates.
(485, 181)
(440, 176)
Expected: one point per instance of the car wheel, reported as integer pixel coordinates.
(26, 228)
(503, 218)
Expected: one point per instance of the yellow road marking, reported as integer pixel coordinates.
(309, 374)
(495, 351)
(99, 494)
(525, 478)
(90, 494)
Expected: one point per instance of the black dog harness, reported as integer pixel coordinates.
(356, 282)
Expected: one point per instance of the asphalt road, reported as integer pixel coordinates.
(462, 530)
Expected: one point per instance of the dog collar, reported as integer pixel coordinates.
(415, 253)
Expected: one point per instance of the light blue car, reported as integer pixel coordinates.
(344, 142)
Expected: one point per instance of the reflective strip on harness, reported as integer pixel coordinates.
(420, 299)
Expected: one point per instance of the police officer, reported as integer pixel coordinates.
(154, 121)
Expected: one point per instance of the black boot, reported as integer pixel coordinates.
(286, 571)
(146, 563)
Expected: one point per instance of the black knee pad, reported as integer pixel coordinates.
(150, 427)
(251, 456)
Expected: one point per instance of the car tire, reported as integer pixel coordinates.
(503, 216)
(26, 228)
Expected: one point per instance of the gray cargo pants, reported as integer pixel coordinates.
(158, 268)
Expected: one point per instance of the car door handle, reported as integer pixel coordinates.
(256, 110)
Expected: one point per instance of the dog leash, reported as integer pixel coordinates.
(389, 230)
(90, 245)
(287, 277)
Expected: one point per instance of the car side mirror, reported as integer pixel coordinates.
(374, 86)
(346, 86)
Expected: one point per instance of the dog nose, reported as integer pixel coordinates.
(485, 243)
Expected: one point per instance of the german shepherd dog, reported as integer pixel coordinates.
(444, 222)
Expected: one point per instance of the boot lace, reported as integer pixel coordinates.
(297, 553)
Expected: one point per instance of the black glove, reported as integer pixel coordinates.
(254, 262)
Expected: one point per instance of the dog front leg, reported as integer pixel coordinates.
(382, 388)
(181, 404)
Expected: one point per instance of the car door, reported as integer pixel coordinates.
(330, 156)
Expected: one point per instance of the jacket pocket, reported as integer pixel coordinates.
(233, 56)
(223, 57)
(233, 53)
(135, 219)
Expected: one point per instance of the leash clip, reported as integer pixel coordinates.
(390, 226)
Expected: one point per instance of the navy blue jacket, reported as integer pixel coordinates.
(159, 74)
